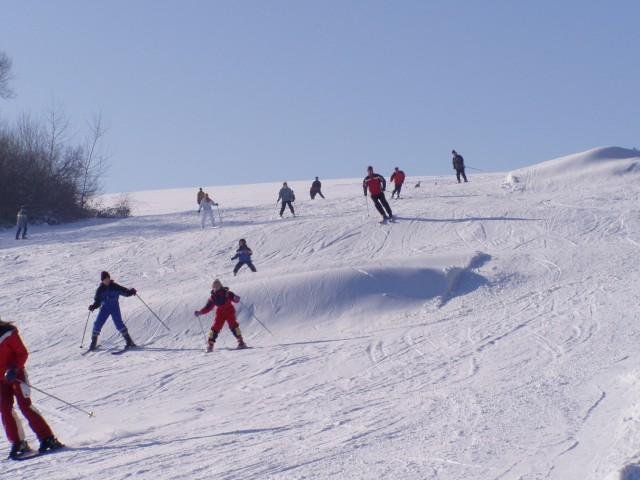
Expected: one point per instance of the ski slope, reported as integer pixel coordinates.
(490, 333)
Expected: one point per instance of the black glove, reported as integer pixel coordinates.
(11, 375)
(133, 291)
(92, 307)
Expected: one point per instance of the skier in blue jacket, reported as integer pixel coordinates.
(243, 254)
(106, 299)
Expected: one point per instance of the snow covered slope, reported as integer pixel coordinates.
(489, 333)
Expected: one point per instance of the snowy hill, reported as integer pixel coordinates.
(491, 332)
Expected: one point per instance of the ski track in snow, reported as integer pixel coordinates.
(513, 360)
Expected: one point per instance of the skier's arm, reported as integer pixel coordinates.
(384, 182)
(125, 292)
(21, 353)
(233, 297)
(235, 256)
(364, 186)
(96, 300)
(207, 308)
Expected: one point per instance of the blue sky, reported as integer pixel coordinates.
(212, 92)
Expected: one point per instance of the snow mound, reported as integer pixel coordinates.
(596, 165)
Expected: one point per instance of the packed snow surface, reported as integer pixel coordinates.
(491, 332)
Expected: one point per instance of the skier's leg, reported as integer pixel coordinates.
(312, 194)
(235, 329)
(33, 416)
(458, 175)
(376, 203)
(399, 188)
(18, 233)
(122, 328)
(215, 330)
(320, 193)
(385, 204)
(237, 267)
(24, 232)
(202, 219)
(291, 208)
(252, 266)
(282, 207)
(103, 314)
(11, 423)
(462, 171)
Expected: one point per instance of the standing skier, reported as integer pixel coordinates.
(458, 165)
(199, 197)
(106, 299)
(243, 254)
(316, 189)
(222, 299)
(14, 386)
(397, 178)
(21, 222)
(288, 197)
(206, 206)
(376, 184)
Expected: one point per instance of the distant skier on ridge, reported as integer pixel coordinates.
(397, 178)
(13, 356)
(376, 184)
(288, 197)
(222, 299)
(316, 189)
(199, 197)
(458, 165)
(106, 299)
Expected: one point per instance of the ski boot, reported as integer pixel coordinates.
(49, 444)
(212, 339)
(94, 343)
(18, 449)
(238, 334)
(127, 338)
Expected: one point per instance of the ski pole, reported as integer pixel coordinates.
(472, 168)
(263, 325)
(153, 313)
(90, 413)
(219, 214)
(85, 329)
(202, 328)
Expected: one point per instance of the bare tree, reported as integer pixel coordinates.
(5, 76)
(93, 162)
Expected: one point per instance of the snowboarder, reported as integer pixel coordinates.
(316, 189)
(397, 178)
(14, 385)
(223, 299)
(288, 197)
(206, 205)
(21, 223)
(243, 254)
(106, 299)
(199, 198)
(376, 184)
(458, 165)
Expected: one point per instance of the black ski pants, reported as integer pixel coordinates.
(240, 264)
(23, 230)
(284, 204)
(380, 201)
(460, 171)
(396, 190)
(313, 194)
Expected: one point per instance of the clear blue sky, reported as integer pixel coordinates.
(213, 92)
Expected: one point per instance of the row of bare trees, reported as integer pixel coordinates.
(43, 167)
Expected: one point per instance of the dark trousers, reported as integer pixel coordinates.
(240, 264)
(380, 201)
(23, 230)
(460, 171)
(314, 193)
(284, 204)
(396, 190)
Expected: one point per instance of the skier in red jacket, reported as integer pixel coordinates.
(14, 385)
(376, 184)
(223, 299)
(397, 177)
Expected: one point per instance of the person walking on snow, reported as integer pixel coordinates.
(458, 165)
(376, 184)
(316, 189)
(222, 299)
(397, 178)
(199, 198)
(106, 299)
(21, 222)
(14, 386)
(206, 206)
(288, 197)
(243, 254)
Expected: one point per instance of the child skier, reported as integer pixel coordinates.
(223, 299)
(206, 206)
(243, 254)
(106, 298)
(14, 385)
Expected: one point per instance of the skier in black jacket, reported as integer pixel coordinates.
(458, 165)
(316, 189)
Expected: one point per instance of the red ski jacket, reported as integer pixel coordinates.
(13, 353)
(223, 299)
(375, 183)
(397, 177)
